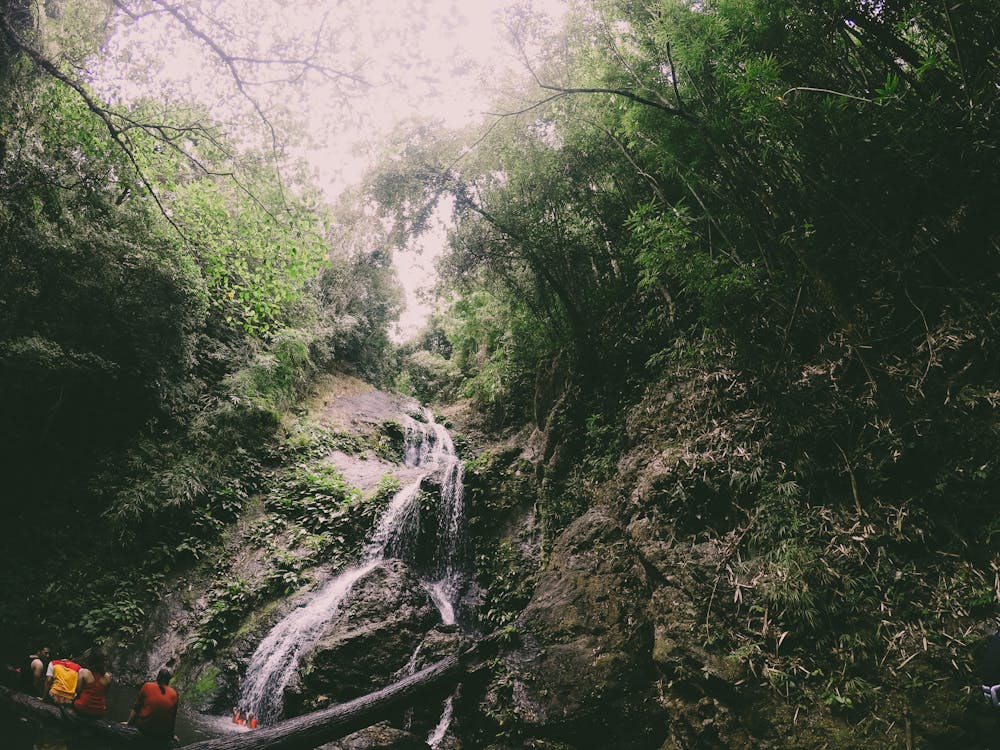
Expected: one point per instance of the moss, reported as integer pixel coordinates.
(389, 441)
(202, 692)
(256, 618)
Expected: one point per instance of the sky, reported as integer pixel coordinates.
(405, 59)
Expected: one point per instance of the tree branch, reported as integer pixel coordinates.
(117, 134)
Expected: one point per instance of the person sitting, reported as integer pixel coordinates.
(60, 680)
(989, 669)
(92, 687)
(32, 673)
(155, 710)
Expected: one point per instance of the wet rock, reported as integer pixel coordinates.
(368, 641)
(443, 641)
(378, 737)
(161, 643)
(702, 692)
(583, 674)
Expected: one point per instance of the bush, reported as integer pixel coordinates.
(428, 376)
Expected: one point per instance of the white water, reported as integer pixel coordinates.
(437, 734)
(277, 658)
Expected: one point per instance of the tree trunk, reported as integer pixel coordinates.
(319, 727)
(111, 733)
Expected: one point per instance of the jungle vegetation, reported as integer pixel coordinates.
(169, 288)
(757, 235)
(755, 242)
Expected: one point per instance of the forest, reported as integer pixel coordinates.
(719, 297)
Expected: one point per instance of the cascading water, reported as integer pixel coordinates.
(428, 446)
(437, 734)
(444, 586)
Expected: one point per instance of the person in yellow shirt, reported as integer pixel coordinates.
(60, 680)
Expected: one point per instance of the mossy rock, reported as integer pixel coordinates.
(203, 687)
(390, 441)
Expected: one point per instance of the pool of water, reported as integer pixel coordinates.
(19, 734)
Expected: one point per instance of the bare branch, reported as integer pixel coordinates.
(825, 91)
(226, 59)
(673, 77)
(625, 94)
(536, 105)
(306, 64)
(663, 106)
(117, 135)
(135, 16)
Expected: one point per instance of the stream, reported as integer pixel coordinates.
(428, 449)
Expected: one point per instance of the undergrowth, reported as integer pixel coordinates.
(857, 573)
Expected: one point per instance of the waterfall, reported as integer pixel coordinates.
(437, 734)
(427, 446)
(444, 588)
(277, 657)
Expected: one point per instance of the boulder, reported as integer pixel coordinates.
(583, 672)
(371, 638)
(439, 643)
(379, 737)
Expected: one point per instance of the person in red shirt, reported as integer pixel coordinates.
(92, 687)
(155, 710)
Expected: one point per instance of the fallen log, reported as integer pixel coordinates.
(109, 732)
(319, 727)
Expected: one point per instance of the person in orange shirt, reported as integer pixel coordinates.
(92, 687)
(155, 711)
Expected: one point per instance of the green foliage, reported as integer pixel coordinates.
(427, 376)
(228, 604)
(313, 495)
(149, 349)
(286, 573)
(122, 617)
(668, 251)
(306, 439)
(488, 350)
(751, 264)
(386, 489)
(390, 441)
(203, 689)
(510, 583)
(358, 294)
(276, 377)
(496, 486)
(461, 443)
(314, 510)
(255, 262)
(200, 477)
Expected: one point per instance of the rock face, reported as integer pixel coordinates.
(582, 674)
(613, 651)
(372, 637)
(378, 737)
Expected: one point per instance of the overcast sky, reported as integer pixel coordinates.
(441, 59)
